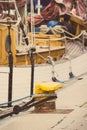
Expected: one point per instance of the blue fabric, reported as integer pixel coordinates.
(43, 2)
(52, 23)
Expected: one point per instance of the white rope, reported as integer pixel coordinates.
(18, 14)
(76, 37)
(32, 25)
(60, 30)
(62, 38)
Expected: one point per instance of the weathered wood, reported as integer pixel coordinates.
(40, 56)
(79, 23)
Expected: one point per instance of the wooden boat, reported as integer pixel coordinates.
(47, 48)
(45, 45)
(20, 52)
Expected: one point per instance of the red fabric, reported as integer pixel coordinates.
(80, 6)
(38, 20)
(51, 11)
(81, 9)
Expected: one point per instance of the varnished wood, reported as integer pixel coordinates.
(22, 57)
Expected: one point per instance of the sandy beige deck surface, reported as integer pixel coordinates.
(71, 104)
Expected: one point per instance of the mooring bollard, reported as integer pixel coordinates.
(44, 90)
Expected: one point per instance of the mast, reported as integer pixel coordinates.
(32, 22)
(38, 6)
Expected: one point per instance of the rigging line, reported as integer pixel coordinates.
(33, 96)
(32, 23)
(19, 32)
(76, 37)
(17, 100)
(41, 56)
(18, 14)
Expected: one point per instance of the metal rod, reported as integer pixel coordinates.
(32, 72)
(10, 79)
(10, 61)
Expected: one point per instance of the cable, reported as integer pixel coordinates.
(17, 100)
